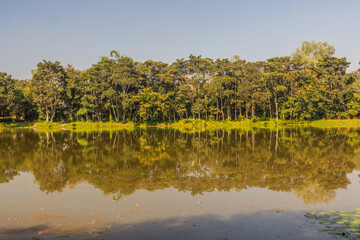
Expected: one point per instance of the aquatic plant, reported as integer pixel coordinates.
(339, 223)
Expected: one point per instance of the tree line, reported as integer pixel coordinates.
(309, 84)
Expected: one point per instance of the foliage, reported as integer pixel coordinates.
(311, 52)
(47, 86)
(311, 84)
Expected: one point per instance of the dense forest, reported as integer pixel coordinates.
(309, 84)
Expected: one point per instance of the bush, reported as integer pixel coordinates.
(255, 119)
(47, 125)
(241, 117)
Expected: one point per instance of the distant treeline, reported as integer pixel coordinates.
(309, 84)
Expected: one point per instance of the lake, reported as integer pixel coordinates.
(251, 183)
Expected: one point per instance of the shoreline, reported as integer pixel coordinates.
(182, 124)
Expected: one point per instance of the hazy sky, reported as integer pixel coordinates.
(80, 31)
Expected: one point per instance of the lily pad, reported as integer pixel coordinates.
(339, 223)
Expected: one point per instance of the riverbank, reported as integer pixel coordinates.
(191, 123)
(182, 124)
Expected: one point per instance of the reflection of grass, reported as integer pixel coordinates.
(340, 223)
(83, 142)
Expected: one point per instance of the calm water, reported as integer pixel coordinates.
(167, 184)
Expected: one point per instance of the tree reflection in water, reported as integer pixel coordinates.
(312, 163)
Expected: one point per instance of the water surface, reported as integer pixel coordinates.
(161, 183)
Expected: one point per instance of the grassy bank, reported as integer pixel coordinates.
(66, 126)
(182, 124)
(16, 124)
(82, 125)
(193, 123)
(98, 125)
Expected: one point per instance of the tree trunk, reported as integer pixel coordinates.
(217, 106)
(52, 116)
(71, 114)
(116, 116)
(131, 115)
(276, 106)
(52, 112)
(247, 110)
(235, 117)
(124, 116)
(47, 113)
(222, 108)
(229, 111)
(192, 108)
(252, 108)
(270, 112)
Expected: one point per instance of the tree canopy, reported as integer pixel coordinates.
(310, 84)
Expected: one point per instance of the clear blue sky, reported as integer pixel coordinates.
(80, 31)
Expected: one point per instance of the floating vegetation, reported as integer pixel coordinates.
(339, 223)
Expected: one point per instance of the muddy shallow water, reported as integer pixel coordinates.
(170, 184)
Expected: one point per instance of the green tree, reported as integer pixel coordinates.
(72, 91)
(47, 85)
(277, 72)
(7, 95)
(152, 105)
(311, 52)
(124, 81)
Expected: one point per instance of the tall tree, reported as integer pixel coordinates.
(7, 86)
(125, 82)
(72, 91)
(310, 52)
(47, 85)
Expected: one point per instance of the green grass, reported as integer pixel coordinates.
(196, 125)
(51, 125)
(336, 122)
(98, 125)
(15, 124)
(185, 124)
